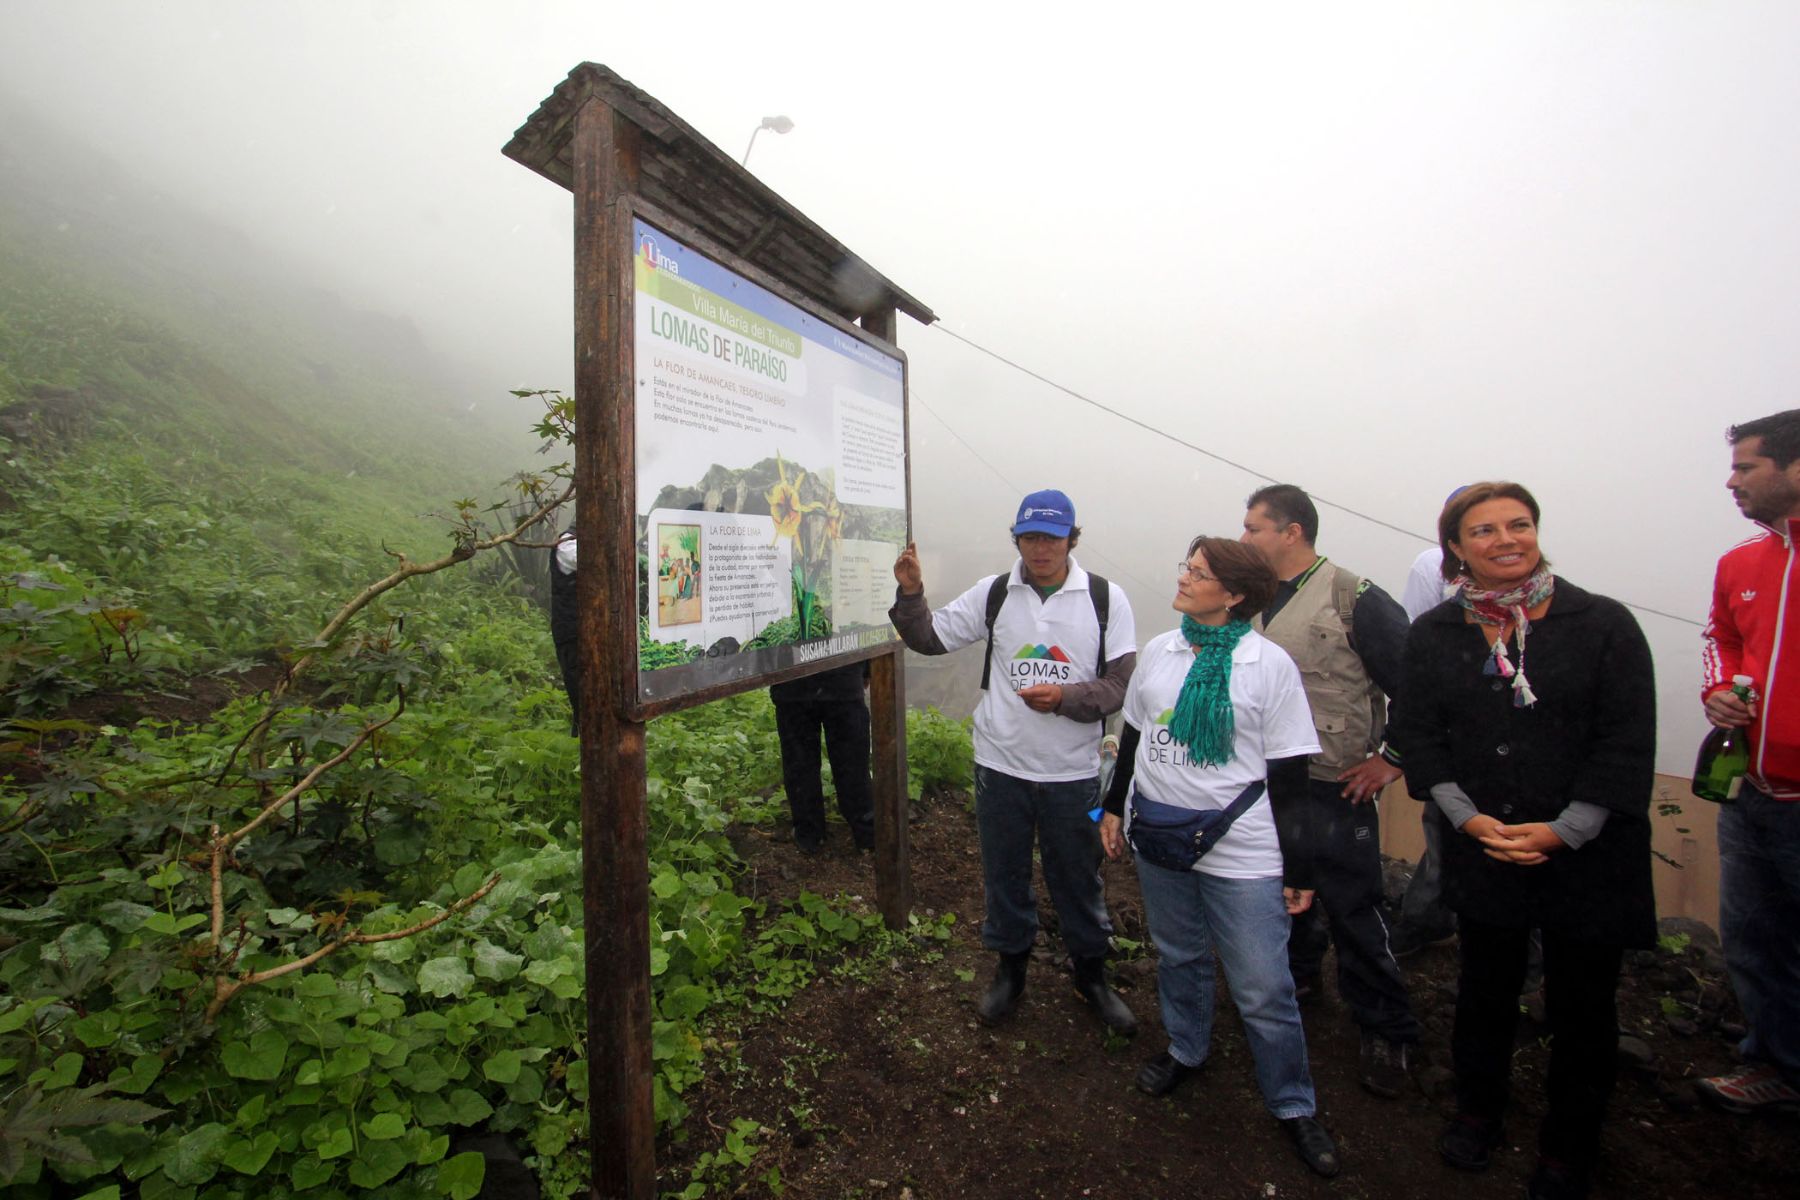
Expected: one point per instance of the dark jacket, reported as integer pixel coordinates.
(1590, 736)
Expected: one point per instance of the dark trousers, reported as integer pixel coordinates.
(845, 724)
(568, 659)
(1009, 813)
(1581, 980)
(1347, 864)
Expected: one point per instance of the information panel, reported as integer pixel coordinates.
(771, 476)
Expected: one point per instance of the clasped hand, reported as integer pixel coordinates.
(1526, 845)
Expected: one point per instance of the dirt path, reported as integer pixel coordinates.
(886, 1087)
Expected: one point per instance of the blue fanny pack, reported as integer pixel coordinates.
(1176, 838)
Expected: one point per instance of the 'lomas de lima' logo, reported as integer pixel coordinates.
(654, 258)
(1035, 664)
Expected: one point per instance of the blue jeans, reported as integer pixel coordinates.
(1010, 814)
(1759, 920)
(1191, 914)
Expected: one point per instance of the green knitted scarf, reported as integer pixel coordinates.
(1203, 719)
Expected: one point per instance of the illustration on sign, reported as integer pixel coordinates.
(771, 475)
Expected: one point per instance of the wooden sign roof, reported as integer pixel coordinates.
(684, 174)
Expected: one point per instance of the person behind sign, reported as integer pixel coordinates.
(1215, 746)
(1530, 719)
(1061, 646)
(829, 703)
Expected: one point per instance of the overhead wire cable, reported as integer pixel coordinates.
(1117, 567)
(1165, 435)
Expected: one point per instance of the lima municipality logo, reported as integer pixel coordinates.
(1035, 664)
(655, 259)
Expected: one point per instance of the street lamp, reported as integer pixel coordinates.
(777, 124)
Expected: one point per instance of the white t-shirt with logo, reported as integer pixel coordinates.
(1037, 641)
(1272, 720)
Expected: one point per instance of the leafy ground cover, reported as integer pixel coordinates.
(389, 956)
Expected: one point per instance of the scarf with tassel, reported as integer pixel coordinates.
(1203, 720)
(1500, 608)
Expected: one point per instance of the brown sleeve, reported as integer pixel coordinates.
(1098, 698)
(912, 618)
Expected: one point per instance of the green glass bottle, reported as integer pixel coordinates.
(1725, 755)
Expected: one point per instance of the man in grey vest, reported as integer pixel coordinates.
(1347, 637)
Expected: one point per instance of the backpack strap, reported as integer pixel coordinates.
(1099, 592)
(996, 600)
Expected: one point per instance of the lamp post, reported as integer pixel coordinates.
(777, 124)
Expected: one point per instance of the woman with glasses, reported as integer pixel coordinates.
(1530, 720)
(1214, 748)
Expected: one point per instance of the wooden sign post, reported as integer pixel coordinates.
(629, 161)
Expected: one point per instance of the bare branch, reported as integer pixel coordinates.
(224, 844)
(225, 988)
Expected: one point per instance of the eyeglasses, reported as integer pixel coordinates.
(1183, 571)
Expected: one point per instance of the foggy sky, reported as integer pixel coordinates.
(1377, 249)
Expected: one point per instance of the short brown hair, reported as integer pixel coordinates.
(1241, 569)
(1458, 506)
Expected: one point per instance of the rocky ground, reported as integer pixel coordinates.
(879, 1083)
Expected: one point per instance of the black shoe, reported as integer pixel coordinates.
(1114, 1013)
(1002, 996)
(1467, 1143)
(1316, 1148)
(1556, 1180)
(1384, 1066)
(1163, 1074)
(809, 845)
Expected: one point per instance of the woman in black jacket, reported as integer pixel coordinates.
(1530, 720)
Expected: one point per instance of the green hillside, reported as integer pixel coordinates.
(284, 913)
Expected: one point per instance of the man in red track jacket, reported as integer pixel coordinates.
(1755, 631)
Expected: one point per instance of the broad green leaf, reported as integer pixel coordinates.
(377, 1163)
(196, 1157)
(249, 1116)
(460, 1177)
(445, 977)
(109, 1192)
(123, 915)
(685, 1002)
(468, 1108)
(336, 1144)
(350, 1060)
(16, 1016)
(167, 923)
(502, 1067)
(659, 960)
(248, 1156)
(309, 1172)
(430, 1148)
(77, 943)
(60, 1074)
(384, 1127)
(260, 1058)
(97, 1029)
(495, 962)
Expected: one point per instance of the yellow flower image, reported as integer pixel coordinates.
(785, 505)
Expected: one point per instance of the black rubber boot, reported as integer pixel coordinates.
(1003, 994)
(1090, 981)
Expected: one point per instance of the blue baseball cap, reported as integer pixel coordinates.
(1049, 511)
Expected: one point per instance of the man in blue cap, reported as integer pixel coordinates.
(1061, 646)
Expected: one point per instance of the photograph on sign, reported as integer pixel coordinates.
(771, 476)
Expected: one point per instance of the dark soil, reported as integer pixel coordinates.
(881, 1084)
